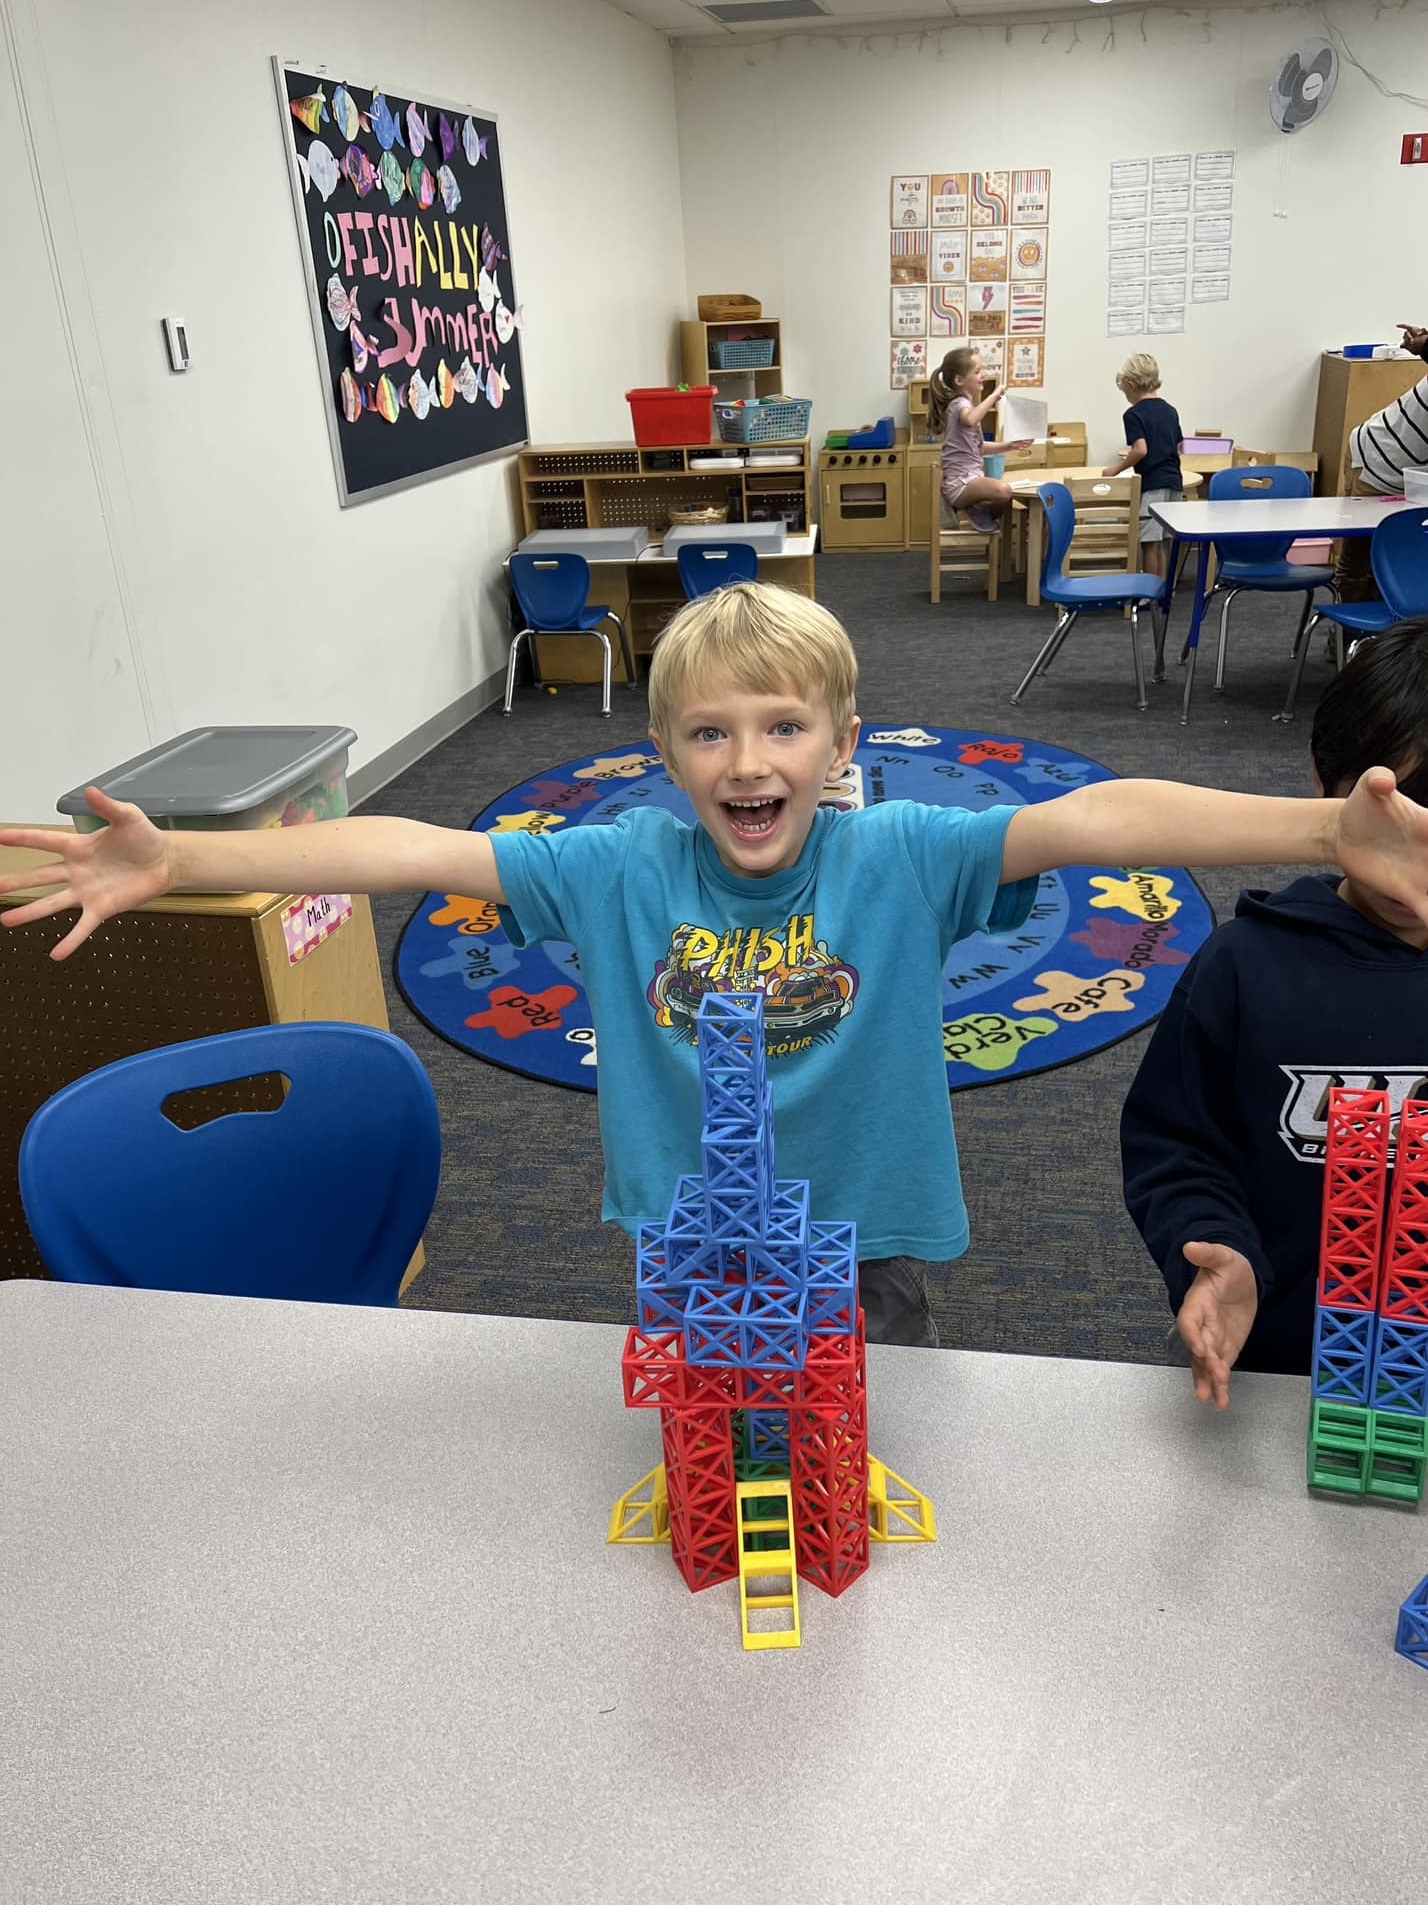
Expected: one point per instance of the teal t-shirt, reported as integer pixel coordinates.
(848, 948)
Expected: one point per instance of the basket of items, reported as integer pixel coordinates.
(764, 420)
(701, 516)
(729, 307)
(742, 353)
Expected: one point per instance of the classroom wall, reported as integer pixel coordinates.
(173, 549)
(793, 208)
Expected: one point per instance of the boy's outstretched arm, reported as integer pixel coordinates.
(1377, 834)
(130, 861)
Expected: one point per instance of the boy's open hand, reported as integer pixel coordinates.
(1381, 839)
(1215, 1317)
(121, 866)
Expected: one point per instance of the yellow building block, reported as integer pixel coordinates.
(766, 1564)
(640, 1518)
(896, 1511)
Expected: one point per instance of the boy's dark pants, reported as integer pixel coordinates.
(893, 1293)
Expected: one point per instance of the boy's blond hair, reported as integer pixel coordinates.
(1138, 375)
(756, 637)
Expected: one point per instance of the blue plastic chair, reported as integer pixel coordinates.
(552, 592)
(1398, 554)
(706, 566)
(323, 1199)
(1075, 596)
(1259, 562)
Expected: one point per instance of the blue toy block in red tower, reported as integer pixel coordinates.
(1400, 1367)
(1343, 1355)
(1412, 1641)
(768, 1435)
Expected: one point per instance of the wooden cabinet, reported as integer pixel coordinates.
(182, 967)
(703, 346)
(1352, 389)
(862, 498)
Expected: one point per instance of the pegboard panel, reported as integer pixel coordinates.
(626, 505)
(582, 463)
(143, 980)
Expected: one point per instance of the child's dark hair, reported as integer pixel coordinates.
(941, 385)
(1375, 713)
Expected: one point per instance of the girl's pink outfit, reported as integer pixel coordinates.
(961, 450)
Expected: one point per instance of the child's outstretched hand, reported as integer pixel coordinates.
(1215, 1317)
(1381, 839)
(121, 866)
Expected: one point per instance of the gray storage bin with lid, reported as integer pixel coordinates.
(229, 778)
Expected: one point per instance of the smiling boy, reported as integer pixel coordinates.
(844, 920)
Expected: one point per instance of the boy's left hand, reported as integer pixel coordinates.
(1381, 839)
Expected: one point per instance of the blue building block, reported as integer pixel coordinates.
(832, 1279)
(733, 1058)
(1412, 1641)
(767, 1435)
(788, 1215)
(738, 1186)
(774, 1329)
(1400, 1367)
(713, 1323)
(1343, 1356)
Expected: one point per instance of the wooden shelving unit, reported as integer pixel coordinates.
(697, 341)
(1351, 390)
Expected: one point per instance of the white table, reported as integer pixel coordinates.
(804, 545)
(308, 1604)
(1226, 522)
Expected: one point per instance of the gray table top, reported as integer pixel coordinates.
(313, 1604)
(1277, 516)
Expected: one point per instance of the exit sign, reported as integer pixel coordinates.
(1415, 149)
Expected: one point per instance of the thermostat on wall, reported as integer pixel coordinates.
(177, 340)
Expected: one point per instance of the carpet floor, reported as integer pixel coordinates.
(1055, 1266)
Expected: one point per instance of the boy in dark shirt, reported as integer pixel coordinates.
(1323, 983)
(1152, 450)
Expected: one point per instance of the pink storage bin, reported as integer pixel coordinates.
(1310, 553)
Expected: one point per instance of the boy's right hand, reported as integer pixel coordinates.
(1414, 338)
(1215, 1317)
(121, 866)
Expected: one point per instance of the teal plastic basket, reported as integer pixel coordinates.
(774, 420)
(747, 353)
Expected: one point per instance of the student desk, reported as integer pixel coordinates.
(310, 1603)
(1025, 484)
(1224, 523)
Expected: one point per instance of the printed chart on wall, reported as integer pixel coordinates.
(401, 211)
(1096, 959)
(1169, 231)
(967, 263)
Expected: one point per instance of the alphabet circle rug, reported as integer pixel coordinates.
(1095, 962)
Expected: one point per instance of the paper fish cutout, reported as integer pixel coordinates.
(450, 190)
(509, 322)
(491, 252)
(423, 183)
(445, 386)
(468, 384)
(385, 123)
(322, 169)
(351, 396)
(359, 171)
(387, 403)
(310, 111)
(472, 142)
(496, 387)
(394, 180)
(362, 346)
(420, 396)
(344, 114)
(486, 289)
(341, 303)
(418, 131)
(448, 138)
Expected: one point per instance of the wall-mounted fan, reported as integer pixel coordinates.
(1303, 84)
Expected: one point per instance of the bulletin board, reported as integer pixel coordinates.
(968, 265)
(401, 213)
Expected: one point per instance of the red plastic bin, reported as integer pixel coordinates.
(670, 416)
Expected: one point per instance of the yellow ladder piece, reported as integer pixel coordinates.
(758, 1565)
(641, 1523)
(896, 1510)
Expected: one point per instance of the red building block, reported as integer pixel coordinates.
(1404, 1295)
(1355, 1175)
(699, 1475)
(828, 1438)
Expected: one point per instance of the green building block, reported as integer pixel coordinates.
(1398, 1455)
(1339, 1447)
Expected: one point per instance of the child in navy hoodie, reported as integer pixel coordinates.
(1323, 983)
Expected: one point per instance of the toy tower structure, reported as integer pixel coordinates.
(1368, 1426)
(750, 1343)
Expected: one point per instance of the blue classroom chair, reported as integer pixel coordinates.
(552, 592)
(1075, 596)
(1261, 562)
(322, 1199)
(1398, 554)
(706, 566)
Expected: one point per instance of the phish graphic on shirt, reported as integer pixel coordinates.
(808, 991)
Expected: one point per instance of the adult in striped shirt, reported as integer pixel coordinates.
(1380, 450)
